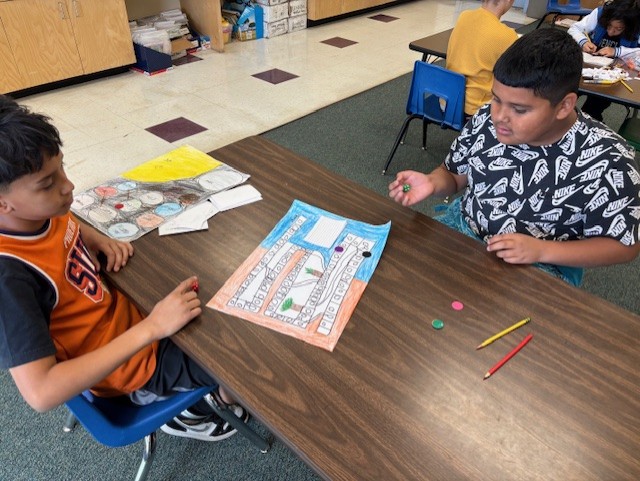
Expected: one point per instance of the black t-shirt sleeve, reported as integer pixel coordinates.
(26, 302)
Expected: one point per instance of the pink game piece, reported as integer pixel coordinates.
(457, 305)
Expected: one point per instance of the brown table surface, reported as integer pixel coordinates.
(397, 399)
(436, 45)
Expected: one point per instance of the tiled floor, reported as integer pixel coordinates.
(112, 124)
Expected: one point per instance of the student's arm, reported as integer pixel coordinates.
(440, 182)
(624, 51)
(45, 384)
(116, 252)
(591, 252)
(582, 28)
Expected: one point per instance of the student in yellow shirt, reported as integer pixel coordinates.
(477, 41)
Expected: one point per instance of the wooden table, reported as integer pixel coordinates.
(436, 46)
(397, 399)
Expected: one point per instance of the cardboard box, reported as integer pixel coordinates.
(297, 7)
(274, 29)
(275, 12)
(270, 2)
(297, 23)
(151, 61)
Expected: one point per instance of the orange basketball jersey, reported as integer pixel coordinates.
(86, 315)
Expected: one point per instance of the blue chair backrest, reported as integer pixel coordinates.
(569, 5)
(430, 83)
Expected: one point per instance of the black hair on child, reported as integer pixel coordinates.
(547, 61)
(25, 139)
(625, 11)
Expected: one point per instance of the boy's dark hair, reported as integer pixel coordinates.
(624, 10)
(547, 61)
(25, 139)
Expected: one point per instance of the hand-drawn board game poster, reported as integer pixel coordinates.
(307, 276)
(148, 195)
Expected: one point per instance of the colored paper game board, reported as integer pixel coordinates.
(307, 276)
(145, 197)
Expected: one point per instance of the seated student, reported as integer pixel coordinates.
(62, 329)
(542, 183)
(610, 31)
(476, 42)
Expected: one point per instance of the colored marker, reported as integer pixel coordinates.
(502, 361)
(503, 333)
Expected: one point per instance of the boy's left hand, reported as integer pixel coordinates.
(116, 252)
(516, 248)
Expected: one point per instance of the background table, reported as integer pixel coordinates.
(436, 45)
(398, 400)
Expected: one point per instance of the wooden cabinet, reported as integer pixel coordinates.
(320, 9)
(205, 17)
(11, 78)
(52, 40)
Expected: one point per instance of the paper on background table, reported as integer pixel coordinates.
(596, 60)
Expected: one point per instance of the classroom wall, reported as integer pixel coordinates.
(144, 8)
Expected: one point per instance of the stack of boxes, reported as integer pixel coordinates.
(283, 16)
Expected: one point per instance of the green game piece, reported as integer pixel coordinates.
(437, 324)
(406, 188)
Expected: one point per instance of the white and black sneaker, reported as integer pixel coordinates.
(204, 428)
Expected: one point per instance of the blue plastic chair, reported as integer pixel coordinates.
(115, 422)
(571, 7)
(429, 84)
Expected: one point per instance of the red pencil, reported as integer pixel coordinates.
(508, 356)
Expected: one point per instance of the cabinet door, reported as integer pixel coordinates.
(41, 38)
(319, 9)
(10, 80)
(354, 5)
(102, 33)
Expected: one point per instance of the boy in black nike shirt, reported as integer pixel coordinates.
(542, 183)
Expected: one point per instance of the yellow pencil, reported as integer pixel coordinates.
(504, 333)
(588, 38)
(626, 85)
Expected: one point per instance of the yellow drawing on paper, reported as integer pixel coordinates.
(182, 163)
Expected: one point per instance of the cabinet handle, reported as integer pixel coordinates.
(61, 10)
(76, 8)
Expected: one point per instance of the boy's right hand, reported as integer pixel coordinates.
(420, 186)
(176, 310)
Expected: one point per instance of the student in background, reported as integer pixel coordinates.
(541, 183)
(609, 31)
(62, 329)
(476, 42)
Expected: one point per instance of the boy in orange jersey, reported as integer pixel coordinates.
(62, 329)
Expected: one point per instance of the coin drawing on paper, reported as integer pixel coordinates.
(146, 196)
(306, 277)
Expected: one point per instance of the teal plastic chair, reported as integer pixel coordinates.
(570, 7)
(429, 84)
(115, 422)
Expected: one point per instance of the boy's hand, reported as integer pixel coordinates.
(516, 248)
(176, 310)
(411, 187)
(116, 252)
(589, 47)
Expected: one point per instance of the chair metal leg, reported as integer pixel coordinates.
(425, 123)
(399, 138)
(225, 413)
(544, 17)
(148, 454)
(69, 423)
